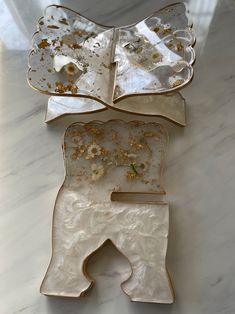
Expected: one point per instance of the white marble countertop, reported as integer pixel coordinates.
(200, 176)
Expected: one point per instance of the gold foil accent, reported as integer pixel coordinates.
(85, 217)
(151, 57)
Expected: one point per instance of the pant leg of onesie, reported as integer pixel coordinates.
(73, 241)
(143, 239)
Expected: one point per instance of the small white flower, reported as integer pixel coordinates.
(77, 141)
(93, 150)
(97, 172)
(156, 56)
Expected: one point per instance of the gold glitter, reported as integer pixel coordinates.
(104, 152)
(94, 131)
(74, 89)
(177, 83)
(52, 26)
(134, 143)
(179, 46)
(130, 175)
(60, 88)
(149, 134)
(54, 41)
(43, 44)
(156, 29)
(75, 154)
(167, 30)
(63, 21)
(114, 135)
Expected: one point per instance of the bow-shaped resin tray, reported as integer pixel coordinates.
(149, 60)
(112, 191)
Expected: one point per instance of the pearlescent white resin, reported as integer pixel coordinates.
(171, 106)
(139, 231)
(85, 217)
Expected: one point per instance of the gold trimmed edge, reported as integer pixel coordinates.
(110, 27)
(89, 278)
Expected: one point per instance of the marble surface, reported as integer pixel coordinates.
(200, 176)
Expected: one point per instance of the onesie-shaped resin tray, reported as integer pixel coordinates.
(73, 56)
(112, 191)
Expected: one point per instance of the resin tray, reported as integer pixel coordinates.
(130, 211)
(73, 56)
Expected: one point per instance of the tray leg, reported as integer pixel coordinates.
(145, 246)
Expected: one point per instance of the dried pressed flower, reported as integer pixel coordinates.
(77, 140)
(97, 171)
(155, 56)
(93, 150)
(75, 154)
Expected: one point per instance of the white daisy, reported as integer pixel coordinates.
(93, 150)
(77, 141)
(97, 172)
(156, 57)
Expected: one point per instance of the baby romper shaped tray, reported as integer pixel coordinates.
(112, 191)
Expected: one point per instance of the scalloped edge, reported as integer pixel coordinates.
(85, 272)
(110, 27)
